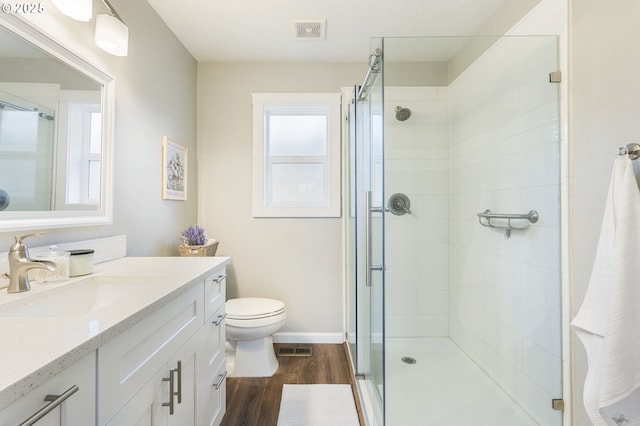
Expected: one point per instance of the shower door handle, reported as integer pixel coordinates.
(367, 230)
(368, 246)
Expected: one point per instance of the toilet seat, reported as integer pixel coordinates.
(253, 308)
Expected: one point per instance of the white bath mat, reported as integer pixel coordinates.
(317, 405)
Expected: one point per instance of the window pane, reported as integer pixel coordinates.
(94, 181)
(300, 183)
(95, 138)
(297, 135)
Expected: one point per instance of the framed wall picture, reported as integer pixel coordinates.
(174, 170)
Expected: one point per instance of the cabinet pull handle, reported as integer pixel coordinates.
(219, 278)
(222, 377)
(220, 319)
(54, 401)
(171, 381)
(179, 371)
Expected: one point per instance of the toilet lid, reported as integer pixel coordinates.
(253, 307)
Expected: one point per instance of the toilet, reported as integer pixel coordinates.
(250, 323)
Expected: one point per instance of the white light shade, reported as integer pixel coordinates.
(112, 35)
(81, 10)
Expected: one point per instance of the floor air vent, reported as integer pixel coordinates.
(299, 351)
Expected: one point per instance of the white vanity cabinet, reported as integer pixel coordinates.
(150, 355)
(169, 368)
(77, 409)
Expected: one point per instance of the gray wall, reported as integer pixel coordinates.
(155, 96)
(604, 93)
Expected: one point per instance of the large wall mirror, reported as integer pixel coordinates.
(56, 122)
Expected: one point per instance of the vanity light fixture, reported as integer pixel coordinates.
(112, 35)
(80, 10)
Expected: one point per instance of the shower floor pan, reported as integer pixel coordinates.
(443, 388)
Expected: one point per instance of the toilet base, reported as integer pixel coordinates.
(253, 358)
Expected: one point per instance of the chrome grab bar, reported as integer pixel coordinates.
(54, 401)
(487, 215)
(532, 216)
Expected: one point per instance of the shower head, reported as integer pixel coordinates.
(402, 113)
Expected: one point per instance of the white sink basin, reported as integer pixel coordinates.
(79, 298)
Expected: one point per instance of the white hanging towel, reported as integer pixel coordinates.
(608, 322)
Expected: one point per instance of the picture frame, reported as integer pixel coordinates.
(174, 170)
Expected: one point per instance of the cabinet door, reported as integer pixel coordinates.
(77, 409)
(184, 365)
(146, 407)
(168, 398)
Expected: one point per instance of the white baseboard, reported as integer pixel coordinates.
(290, 337)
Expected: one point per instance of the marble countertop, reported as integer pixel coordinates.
(36, 348)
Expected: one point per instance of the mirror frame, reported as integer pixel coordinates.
(103, 215)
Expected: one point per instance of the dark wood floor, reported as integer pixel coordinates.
(256, 401)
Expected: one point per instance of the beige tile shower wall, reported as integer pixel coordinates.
(505, 293)
(416, 164)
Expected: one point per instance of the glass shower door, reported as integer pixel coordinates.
(473, 314)
(369, 188)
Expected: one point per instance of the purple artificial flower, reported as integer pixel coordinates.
(194, 236)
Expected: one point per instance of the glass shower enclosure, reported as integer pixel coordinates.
(27, 145)
(453, 232)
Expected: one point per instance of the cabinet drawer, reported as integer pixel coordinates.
(214, 291)
(128, 362)
(79, 407)
(212, 397)
(214, 346)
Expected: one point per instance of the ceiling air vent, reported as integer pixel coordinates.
(308, 29)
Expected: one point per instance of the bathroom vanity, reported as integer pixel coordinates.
(141, 341)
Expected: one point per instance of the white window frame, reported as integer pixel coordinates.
(292, 103)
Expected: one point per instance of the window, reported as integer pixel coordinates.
(79, 150)
(296, 155)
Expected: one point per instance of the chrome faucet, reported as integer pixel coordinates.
(20, 264)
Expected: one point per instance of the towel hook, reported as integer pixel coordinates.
(631, 149)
